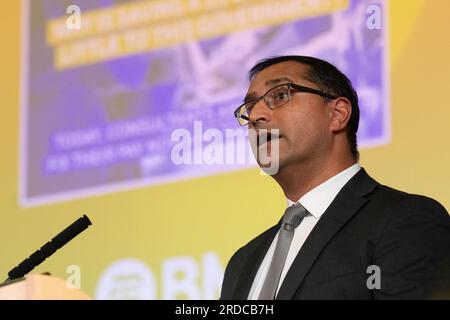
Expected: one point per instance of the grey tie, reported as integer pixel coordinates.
(292, 217)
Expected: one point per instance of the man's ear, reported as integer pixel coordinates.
(340, 112)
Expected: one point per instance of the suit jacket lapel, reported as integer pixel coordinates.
(254, 260)
(343, 207)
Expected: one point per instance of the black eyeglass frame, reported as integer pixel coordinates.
(291, 86)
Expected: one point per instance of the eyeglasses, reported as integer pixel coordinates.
(274, 98)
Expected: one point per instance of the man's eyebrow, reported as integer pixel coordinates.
(277, 81)
(252, 95)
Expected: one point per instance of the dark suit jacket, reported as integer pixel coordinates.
(407, 236)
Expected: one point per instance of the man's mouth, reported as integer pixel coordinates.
(267, 137)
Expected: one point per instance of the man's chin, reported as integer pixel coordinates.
(270, 166)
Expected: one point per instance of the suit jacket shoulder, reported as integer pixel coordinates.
(368, 224)
(411, 246)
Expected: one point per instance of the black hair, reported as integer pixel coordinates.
(330, 80)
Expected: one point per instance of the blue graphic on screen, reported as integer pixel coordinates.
(105, 126)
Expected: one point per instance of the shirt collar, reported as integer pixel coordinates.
(317, 200)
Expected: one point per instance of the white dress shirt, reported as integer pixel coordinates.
(316, 201)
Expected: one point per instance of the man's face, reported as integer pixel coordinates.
(303, 122)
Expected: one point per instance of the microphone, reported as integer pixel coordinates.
(49, 248)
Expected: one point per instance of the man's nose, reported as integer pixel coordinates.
(260, 113)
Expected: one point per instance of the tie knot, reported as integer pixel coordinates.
(293, 216)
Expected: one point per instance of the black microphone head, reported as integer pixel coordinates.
(86, 220)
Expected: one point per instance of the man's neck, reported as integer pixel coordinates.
(296, 180)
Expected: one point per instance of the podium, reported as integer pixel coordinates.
(40, 287)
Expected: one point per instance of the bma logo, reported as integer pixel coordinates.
(181, 278)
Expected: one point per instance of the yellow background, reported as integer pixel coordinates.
(155, 223)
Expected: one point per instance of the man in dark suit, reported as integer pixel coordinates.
(344, 235)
